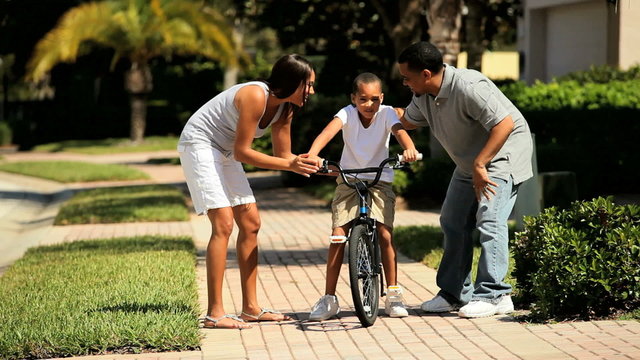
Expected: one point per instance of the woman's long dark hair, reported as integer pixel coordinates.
(287, 74)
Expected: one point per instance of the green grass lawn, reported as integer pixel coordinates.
(124, 204)
(74, 171)
(111, 146)
(424, 244)
(122, 295)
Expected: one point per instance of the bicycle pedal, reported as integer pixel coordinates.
(338, 239)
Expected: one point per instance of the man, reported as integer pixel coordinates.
(490, 143)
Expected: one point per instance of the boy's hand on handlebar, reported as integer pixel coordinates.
(317, 158)
(304, 165)
(410, 155)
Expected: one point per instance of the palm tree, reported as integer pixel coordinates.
(137, 30)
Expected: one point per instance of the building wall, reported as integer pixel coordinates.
(629, 53)
(561, 36)
(576, 37)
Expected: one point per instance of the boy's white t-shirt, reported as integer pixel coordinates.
(367, 147)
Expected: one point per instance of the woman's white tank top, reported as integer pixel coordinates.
(215, 123)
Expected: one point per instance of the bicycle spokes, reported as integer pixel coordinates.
(365, 274)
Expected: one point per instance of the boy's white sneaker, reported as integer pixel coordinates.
(437, 305)
(325, 308)
(394, 304)
(478, 308)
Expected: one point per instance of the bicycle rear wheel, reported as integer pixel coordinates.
(364, 282)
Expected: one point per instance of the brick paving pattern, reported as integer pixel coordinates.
(293, 246)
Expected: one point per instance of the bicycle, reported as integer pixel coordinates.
(365, 264)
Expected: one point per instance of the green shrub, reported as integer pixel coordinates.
(583, 261)
(6, 135)
(569, 114)
(431, 179)
(602, 74)
(401, 182)
(574, 95)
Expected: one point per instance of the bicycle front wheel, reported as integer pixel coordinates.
(364, 280)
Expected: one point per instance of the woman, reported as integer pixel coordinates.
(213, 143)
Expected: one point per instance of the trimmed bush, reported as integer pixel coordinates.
(583, 261)
(602, 74)
(574, 95)
(6, 135)
(596, 109)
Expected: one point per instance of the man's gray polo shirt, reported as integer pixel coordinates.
(461, 116)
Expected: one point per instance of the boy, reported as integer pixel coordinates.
(366, 127)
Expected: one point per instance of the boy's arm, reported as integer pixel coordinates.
(410, 153)
(324, 137)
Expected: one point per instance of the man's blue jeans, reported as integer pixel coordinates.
(461, 214)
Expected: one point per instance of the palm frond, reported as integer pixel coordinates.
(138, 30)
(81, 24)
(211, 32)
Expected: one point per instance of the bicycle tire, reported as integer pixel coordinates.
(364, 283)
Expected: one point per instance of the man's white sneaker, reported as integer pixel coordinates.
(478, 308)
(438, 304)
(393, 303)
(325, 308)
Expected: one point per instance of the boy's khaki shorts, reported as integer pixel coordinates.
(344, 206)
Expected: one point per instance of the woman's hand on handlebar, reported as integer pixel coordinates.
(304, 165)
(317, 159)
(410, 155)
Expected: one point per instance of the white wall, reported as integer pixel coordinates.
(576, 37)
(629, 54)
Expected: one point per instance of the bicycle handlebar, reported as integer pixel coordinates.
(378, 169)
(401, 157)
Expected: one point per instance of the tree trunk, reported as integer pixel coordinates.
(445, 20)
(139, 83)
(231, 70)
(403, 29)
(138, 117)
(474, 34)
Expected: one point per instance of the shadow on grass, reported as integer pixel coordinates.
(64, 145)
(116, 210)
(143, 308)
(163, 161)
(120, 245)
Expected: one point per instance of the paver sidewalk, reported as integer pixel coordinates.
(293, 246)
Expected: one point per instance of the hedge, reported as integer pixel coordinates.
(580, 262)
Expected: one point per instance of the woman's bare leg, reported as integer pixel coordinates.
(248, 219)
(216, 261)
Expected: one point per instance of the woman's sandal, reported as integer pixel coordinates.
(262, 312)
(239, 325)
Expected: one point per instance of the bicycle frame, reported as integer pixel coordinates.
(362, 189)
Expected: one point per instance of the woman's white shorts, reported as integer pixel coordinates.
(214, 180)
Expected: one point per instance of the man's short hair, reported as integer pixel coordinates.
(422, 55)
